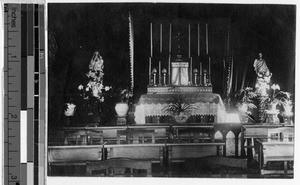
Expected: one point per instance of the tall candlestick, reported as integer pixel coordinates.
(149, 66)
(169, 69)
(200, 74)
(159, 73)
(209, 72)
(198, 40)
(191, 70)
(151, 41)
(206, 29)
(189, 40)
(160, 48)
(200, 68)
(170, 39)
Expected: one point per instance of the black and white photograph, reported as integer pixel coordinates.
(169, 90)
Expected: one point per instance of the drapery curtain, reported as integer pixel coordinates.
(180, 75)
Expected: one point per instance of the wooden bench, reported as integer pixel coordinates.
(279, 146)
(182, 151)
(120, 167)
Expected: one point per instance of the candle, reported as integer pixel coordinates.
(149, 70)
(200, 74)
(189, 40)
(160, 48)
(149, 66)
(198, 40)
(191, 70)
(209, 72)
(159, 73)
(170, 42)
(151, 41)
(200, 69)
(159, 68)
(169, 69)
(206, 39)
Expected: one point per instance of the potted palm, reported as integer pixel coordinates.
(179, 109)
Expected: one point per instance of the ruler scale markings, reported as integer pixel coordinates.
(36, 99)
(23, 126)
(24, 24)
(24, 57)
(42, 87)
(13, 32)
(30, 96)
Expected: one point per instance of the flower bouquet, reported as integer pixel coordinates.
(93, 93)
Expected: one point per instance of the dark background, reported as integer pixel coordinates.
(76, 31)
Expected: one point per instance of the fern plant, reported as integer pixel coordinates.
(178, 105)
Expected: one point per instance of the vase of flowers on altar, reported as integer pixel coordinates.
(277, 97)
(92, 94)
(287, 111)
(179, 108)
(122, 106)
(245, 103)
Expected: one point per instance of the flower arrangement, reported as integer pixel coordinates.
(125, 95)
(92, 94)
(277, 97)
(245, 98)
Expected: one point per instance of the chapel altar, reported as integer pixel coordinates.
(183, 78)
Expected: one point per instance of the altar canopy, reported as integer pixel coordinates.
(205, 103)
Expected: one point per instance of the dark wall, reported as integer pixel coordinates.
(76, 31)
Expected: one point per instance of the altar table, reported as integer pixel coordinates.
(205, 103)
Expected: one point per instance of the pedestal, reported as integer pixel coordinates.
(272, 116)
(261, 108)
(121, 120)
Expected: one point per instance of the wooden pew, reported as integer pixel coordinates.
(278, 147)
(151, 152)
(118, 167)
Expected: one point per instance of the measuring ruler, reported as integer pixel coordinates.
(24, 98)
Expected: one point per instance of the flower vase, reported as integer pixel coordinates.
(122, 109)
(272, 106)
(181, 118)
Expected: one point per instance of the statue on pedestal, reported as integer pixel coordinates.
(263, 75)
(262, 84)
